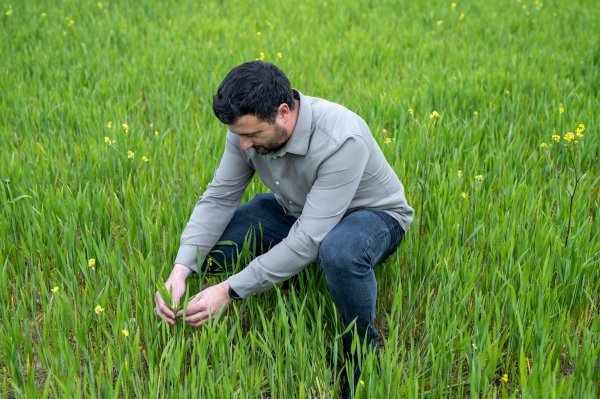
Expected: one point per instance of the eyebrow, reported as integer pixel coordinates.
(248, 134)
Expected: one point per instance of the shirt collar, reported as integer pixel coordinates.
(300, 138)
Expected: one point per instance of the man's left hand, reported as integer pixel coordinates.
(206, 304)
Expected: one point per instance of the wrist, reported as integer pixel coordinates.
(233, 296)
(180, 272)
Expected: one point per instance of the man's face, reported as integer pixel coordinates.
(263, 136)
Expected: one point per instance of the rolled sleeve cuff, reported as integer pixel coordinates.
(244, 283)
(187, 256)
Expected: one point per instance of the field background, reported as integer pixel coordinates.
(483, 298)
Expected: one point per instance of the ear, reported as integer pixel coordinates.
(283, 112)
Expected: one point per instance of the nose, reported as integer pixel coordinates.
(245, 142)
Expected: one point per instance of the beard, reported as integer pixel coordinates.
(280, 138)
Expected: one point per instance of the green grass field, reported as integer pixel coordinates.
(107, 138)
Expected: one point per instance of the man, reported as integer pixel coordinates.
(335, 199)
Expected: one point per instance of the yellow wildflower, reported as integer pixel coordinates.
(453, 5)
(580, 130)
(473, 345)
(125, 332)
(362, 382)
(569, 136)
(125, 127)
(411, 112)
(475, 113)
(387, 140)
(9, 12)
(561, 109)
(107, 140)
(145, 159)
(54, 290)
(99, 309)
(439, 22)
(504, 378)
(461, 16)
(258, 33)
(262, 56)
(279, 55)
(156, 133)
(479, 177)
(100, 5)
(92, 262)
(384, 131)
(130, 154)
(459, 173)
(434, 115)
(555, 137)
(544, 145)
(464, 195)
(70, 23)
(109, 124)
(44, 15)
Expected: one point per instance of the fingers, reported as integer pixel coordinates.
(198, 311)
(163, 311)
(193, 306)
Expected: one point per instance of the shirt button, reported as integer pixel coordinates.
(277, 182)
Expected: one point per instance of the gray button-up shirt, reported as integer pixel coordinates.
(330, 165)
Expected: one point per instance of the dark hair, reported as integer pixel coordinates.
(253, 88)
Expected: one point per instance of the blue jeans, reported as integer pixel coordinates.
(347, 255)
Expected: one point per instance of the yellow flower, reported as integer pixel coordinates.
(439, 22)
(156, 133)
(411, 111)
(384, 131)
(504, 378)
(473, 345)
(434, 115)
(262, 56)
(109, 124)
(569, 136)
(453, 5)
(70, 23)
(459, 173)
(92, 262)
(279, 55)
(145, 159)
(100, 5)
(107, 140)
(461, 16)
(44, 15)
(580, 130)
(362, 382)
(54, 290)
(555, 137)
(479, 177)
(561, 109)
(387, 140)
(464, 195)
(475, 113)
(125, 332)
(99, 309)
(544, 145)
(125, 127)
(9, 12)
(130, 154)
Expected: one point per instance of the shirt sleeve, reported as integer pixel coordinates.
(215, 208)
(337, 180)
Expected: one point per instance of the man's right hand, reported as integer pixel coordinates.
(176, 284)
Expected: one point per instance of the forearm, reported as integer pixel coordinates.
(180, 272)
